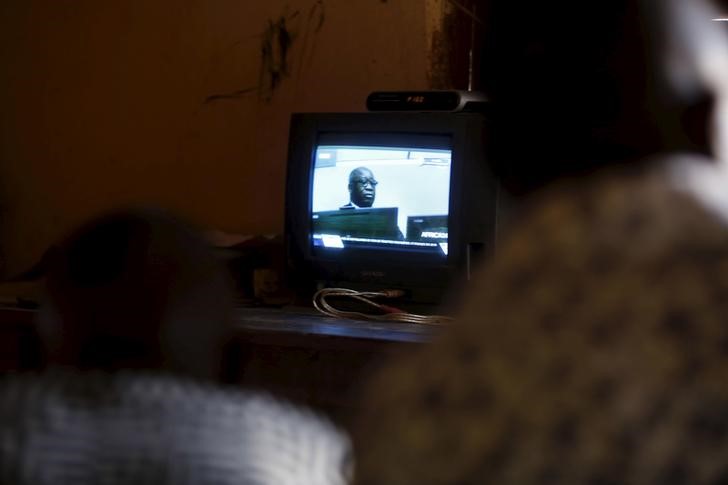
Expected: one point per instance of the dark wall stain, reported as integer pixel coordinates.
(278, 38)
(274, 62)
(280, 35)
(276, 42)
(234, 95)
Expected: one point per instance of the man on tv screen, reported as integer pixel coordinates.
(362, 188)
(421, 208)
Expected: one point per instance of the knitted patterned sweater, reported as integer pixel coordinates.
(110, 429)
(592, 350)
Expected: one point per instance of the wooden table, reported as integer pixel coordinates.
(295, 353)
(313, 359)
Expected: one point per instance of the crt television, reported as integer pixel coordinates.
(388, 200)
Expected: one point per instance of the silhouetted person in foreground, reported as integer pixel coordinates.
(362, 189)
(138, 309)
(592, 348)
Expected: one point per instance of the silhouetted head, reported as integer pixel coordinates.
(136, 289)
(362, 187)
(579, 85)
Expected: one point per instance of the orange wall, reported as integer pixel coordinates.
(103, 104)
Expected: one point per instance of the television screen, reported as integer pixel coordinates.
(390, 198)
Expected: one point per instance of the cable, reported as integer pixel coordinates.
(389, 313)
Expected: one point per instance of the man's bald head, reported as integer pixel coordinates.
(362, 187)
(137, 289)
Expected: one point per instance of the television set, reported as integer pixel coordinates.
(388, 200)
